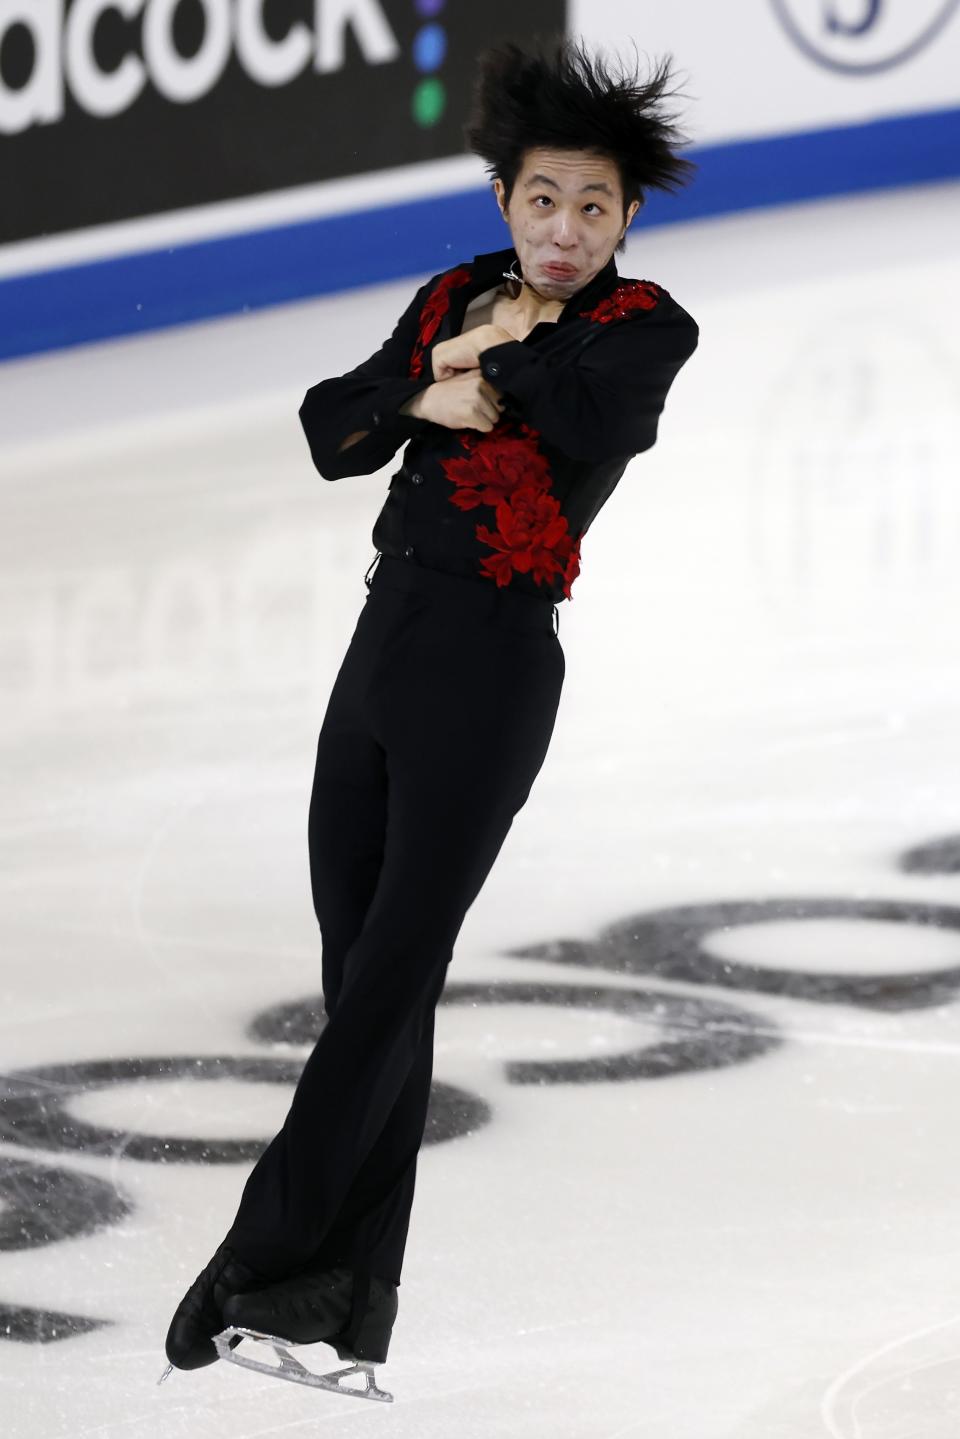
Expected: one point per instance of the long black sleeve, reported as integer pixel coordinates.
(368, 397)
(606, 400)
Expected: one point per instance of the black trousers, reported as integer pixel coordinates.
(438, 722)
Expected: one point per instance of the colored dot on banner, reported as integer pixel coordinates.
(429, 7)
(429, 47)
(429, 99)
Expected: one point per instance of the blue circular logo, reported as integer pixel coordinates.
(861, 37)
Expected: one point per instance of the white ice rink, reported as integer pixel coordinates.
(727, 1203)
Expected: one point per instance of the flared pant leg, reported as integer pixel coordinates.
(438, 723)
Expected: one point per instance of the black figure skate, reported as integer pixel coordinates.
(353, 1311)
(199, 1315)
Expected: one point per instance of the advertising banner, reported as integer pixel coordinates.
(111, 109)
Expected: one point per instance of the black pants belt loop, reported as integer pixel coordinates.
(366, 578)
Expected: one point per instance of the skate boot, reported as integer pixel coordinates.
(353, 1311)
(198, 1316)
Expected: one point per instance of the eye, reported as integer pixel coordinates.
(589, 202)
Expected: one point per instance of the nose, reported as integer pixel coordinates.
(564, 229)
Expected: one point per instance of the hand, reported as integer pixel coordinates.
(462, 352)
(464, 402)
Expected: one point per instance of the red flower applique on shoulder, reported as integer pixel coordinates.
(435, 307)
(628, 297)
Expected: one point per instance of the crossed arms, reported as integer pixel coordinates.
(600, 403)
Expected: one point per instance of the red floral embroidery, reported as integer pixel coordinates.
(624, 300)
(497, 462)
(572, 569)
(531, 538)
(436, 306)
(504, 468)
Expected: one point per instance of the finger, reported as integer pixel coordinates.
(487, 394)
(495, 398)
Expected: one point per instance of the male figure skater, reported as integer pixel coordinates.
(523, 382)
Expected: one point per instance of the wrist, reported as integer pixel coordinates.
(414, 406)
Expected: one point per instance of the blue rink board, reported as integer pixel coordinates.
(152, 289)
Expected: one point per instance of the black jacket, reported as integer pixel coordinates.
(510, 505)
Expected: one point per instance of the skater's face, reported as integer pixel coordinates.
(565, 208)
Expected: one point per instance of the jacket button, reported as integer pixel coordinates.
(408, 551)
(417, 479)
(493, 368)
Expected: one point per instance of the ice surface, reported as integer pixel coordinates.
(748, 826)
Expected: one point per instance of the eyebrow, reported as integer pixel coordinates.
(545, 180)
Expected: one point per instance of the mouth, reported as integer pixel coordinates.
(562, 272)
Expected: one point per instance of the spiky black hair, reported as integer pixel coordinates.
(551, 92)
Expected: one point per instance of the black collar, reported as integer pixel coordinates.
(488, 271)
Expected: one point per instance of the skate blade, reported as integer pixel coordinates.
(230, 1347)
